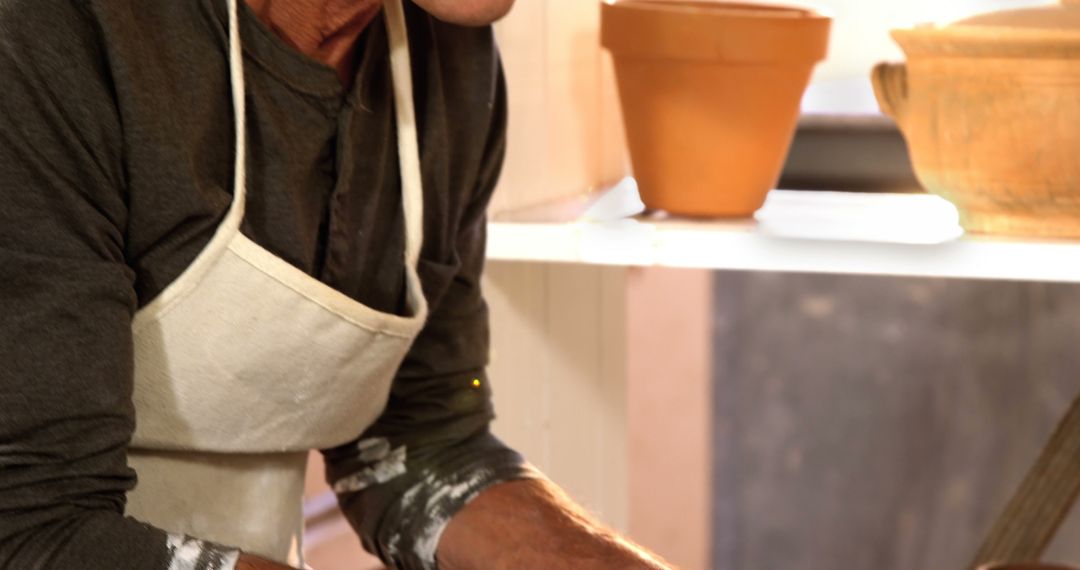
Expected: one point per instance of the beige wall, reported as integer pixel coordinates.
(565, 131)
(602, 378)
(558, 370)
(670, 402)
(576, 348)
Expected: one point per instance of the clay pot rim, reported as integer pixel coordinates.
(988, 42)
(725, 9)
(1038, 32)
(714, 31)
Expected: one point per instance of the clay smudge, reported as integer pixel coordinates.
(392, 464)
(430, 500)
(373, 449)
(187, 553)
(425, 545)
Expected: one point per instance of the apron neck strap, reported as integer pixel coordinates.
(236, 77)
(412, 195)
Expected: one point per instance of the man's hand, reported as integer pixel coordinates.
(532, 524)
(249, 562)
(467, 12)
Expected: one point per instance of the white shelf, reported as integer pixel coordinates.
(810, 232)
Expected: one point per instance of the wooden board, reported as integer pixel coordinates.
(881, 423)
(557, 372)
(669, 398)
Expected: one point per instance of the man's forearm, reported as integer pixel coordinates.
(249, 562)
(532, 524)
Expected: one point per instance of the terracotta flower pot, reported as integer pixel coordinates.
(990, 108)
(710, 94)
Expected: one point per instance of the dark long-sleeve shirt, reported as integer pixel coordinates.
(116, 153)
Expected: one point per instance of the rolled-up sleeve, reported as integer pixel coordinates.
(431, 451)
(66, 301)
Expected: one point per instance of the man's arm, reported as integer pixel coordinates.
(532, 524)
(66, 301)
(429, 482)
(431, 451)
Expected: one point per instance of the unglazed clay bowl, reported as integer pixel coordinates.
(710, 95)
(990, 108)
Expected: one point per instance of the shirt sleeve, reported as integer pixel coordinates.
(66, 301)
(431, 451)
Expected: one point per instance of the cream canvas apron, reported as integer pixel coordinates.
(244, 363)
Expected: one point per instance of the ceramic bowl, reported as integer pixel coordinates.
(989, 107)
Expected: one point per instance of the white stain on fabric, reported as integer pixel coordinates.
(391, 465)
(186, 553)
(373, 449)
(392, 546)
(428, 542)
(430, 499)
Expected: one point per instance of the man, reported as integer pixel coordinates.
(122, 163)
